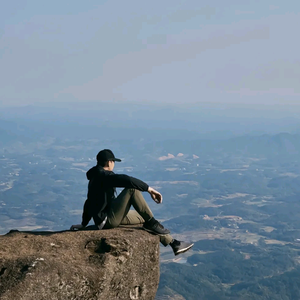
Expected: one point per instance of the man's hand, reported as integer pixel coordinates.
(77, 227)
(155, 195)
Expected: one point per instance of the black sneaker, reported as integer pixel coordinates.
(180, 247)
(155, 227)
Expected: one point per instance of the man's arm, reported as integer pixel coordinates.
(125, 181)
(120, 180)
(86, 217)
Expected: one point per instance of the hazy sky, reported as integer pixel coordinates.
(232, 51)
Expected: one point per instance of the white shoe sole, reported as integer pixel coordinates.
(184, 249)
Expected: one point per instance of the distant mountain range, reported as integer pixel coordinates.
(30, 124)
(282, 144)
(158, 122)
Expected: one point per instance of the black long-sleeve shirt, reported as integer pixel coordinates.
(101, 190)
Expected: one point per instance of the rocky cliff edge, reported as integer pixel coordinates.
(107, 264)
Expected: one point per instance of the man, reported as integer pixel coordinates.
(109, 211)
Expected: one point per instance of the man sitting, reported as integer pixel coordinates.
(109, 211)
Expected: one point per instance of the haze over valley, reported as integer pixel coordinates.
(236, 196)
(200, 99)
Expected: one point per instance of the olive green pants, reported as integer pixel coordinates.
(120, 213)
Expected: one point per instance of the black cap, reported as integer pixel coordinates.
(106, 155)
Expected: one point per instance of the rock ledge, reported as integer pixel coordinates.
(108, 264)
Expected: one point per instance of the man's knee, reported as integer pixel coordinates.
(131, 191)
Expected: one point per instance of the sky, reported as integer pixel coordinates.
(170, 52)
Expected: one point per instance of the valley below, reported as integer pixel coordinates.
(238, 204)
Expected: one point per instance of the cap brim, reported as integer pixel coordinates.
(117, 159)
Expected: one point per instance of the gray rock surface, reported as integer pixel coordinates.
(120, 263)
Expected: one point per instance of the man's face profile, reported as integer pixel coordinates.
(111, 165)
